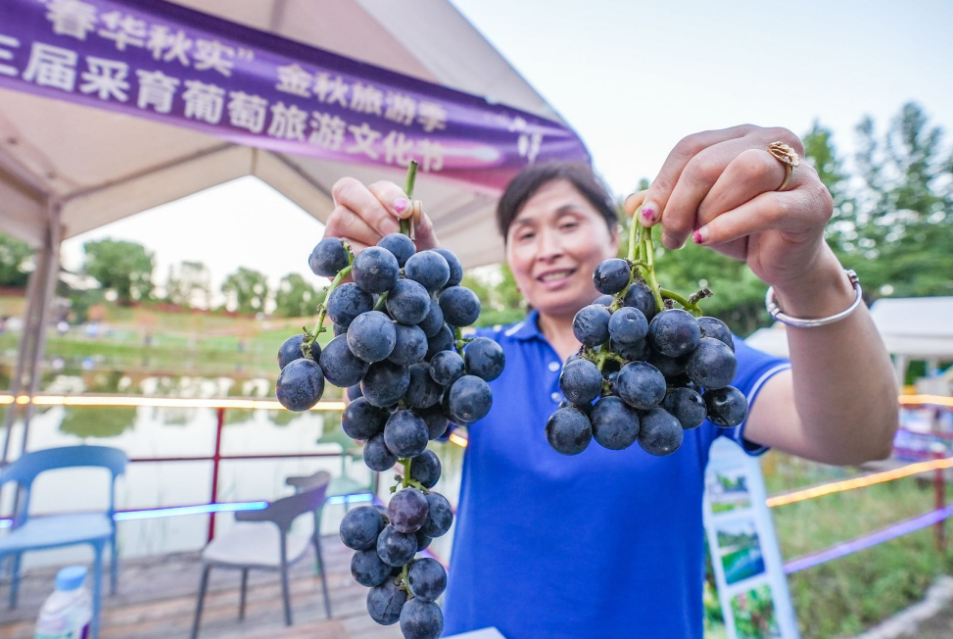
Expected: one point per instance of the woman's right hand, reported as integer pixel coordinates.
(362, 215)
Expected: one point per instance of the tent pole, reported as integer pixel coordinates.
(24, 350)
(53, 238)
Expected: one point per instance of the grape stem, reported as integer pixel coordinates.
(458, 341)
(323, 308)
(380, 301)
(409, 190)
(686, 304)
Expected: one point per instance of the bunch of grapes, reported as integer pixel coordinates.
(646, 371)
(399, 351)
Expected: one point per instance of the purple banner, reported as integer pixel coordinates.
(164, 62)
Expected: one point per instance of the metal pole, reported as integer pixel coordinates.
(939, 491)
(53, 238)
(216, 460)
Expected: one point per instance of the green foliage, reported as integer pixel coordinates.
(247, 290)
(499, 296)
(14, 256)
(189, 285)
(295, 297)
(124, 267)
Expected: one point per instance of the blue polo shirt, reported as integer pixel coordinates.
(605, 544)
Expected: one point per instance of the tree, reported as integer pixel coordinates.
(247, 290)
(295, 297)
(189, 285)
(14, 256)
(501, 301)
(124, 267)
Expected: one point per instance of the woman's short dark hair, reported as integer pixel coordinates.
(533, 178)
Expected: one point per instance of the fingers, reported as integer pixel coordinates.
(632, 205)
(345, 224)
(392, 197)
(750, 174)
(661, 189)
(791, 211)
(424, 235)
(353, 196)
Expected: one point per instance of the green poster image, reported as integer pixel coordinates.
(754, 614)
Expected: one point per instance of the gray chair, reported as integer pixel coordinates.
(262, 539)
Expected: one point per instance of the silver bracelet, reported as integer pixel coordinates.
(777, 314)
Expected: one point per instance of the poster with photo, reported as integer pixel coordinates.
(745, 572)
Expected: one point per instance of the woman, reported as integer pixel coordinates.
(609, 543)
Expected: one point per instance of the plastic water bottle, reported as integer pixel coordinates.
(67, 612)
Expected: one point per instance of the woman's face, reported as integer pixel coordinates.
(553, 246)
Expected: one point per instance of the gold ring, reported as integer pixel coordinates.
(786, 156)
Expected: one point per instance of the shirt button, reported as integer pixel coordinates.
(556, 397)
(554, 366)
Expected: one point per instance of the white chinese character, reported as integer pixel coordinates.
(397, 148)
(72, 18)
(432, 116)
(528, 145)
(366, 99)
(125, 30)
(247, 111)
(161, 38)
(294, 80)
(156, 89)
(431, 155)
(518, 124)
(203, 101)
(106, 78)
(209, 56)
(327, 131)
(287, 122)
(400, 108)
(364, 138)
(330, 91)
(7, 41)
(51, 66)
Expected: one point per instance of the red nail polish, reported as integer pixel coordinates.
(401, 204)
(648, 213)
(698, 236)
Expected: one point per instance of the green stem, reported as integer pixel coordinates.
(458, 340)
(322, 313)
(406, 479)
(380, 301)
(649, 256)
(634, 234)
(409, 190)
(687, 305)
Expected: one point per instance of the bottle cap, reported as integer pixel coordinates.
(70, 578)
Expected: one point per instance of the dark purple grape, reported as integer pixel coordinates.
(384, 383)
(714, 327)
(411, 346)
(372, 337)
(422, 540)
(568, 431)
(346, 302)
(354, 391)
(400, 245)
(631, 352)
(460, 305)
(406, 434)
(290, 350)
(640, 385)
(727, 407)
(408, 302)
(394, 547)
(585, 408)
(660, 434)
(375, 270)
(437, 421)
(628, 326)
(456, 268)
(328, 257)
(338, 329)
(686, 405)
(670, 367)
(469, 399)
(712, 364)
(421, 619)
(484, 358)
(377, 456)
(433, 322)
(580, 381)
(446, 367)
(427, 579)
(611, 276)
(615, 424)
(362, 421)
(640, 296)
(300, 385)
(360, 528)
(422, 392)
(385, 602)
(442, 341)
(674, 333)
(340, 366)
(429, 268)
(368, 569)
(591, 325)
(439, 515)
(425, 468)
(407, 510)
(604, 300)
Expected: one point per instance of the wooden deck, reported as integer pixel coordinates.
(157, 595)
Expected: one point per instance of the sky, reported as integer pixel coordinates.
(632, 78)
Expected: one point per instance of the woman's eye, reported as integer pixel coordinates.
(568, 226)
(524, 236)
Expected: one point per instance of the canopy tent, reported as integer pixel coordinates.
(916, 328)
(120, 134)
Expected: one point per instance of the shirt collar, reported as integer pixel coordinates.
(527, 329)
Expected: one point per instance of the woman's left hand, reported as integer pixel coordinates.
(719, 188)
